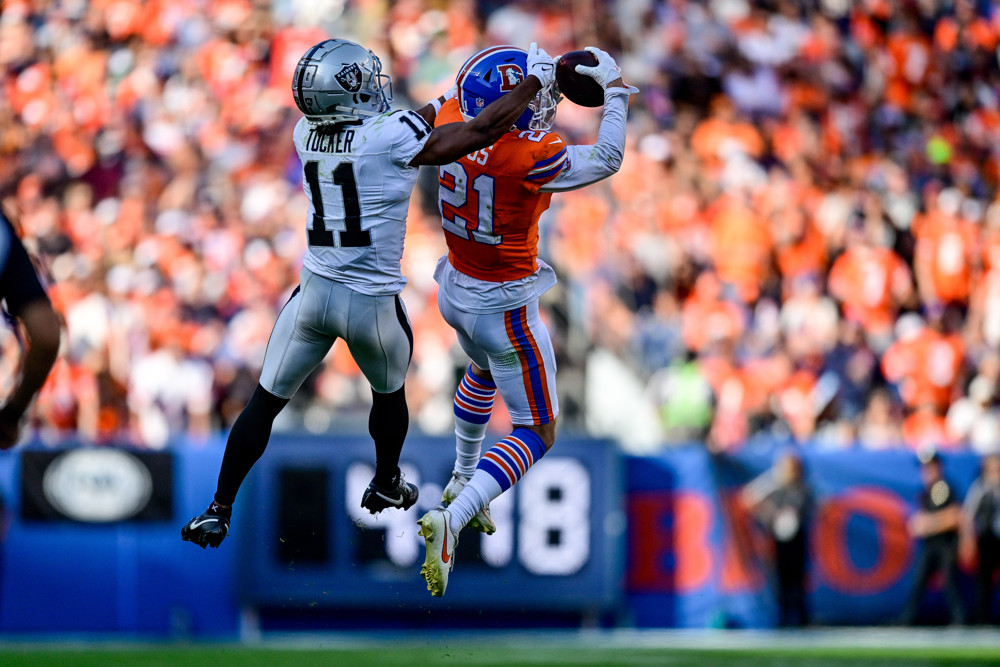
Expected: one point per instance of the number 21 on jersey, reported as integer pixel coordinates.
(472, 220)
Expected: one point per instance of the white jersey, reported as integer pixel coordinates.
(358, 181)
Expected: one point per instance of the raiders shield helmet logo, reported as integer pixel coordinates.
(350, 78)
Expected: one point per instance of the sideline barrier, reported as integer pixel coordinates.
(59, 574)
(132, 576)
(682, 554)
(557, 546)
(694, 557)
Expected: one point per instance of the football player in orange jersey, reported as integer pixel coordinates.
(491, 279)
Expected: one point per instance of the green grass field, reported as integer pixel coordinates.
(536, 652)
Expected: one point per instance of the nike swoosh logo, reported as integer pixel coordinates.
(195, 524)
(557, 141)
(444, 549)
(387, 499)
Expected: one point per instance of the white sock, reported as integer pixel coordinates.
(473, 405)
(499, 469)
(476, 495)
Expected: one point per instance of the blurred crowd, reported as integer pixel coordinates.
(803, 242)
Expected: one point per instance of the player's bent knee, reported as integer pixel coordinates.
(483, 373)
(265, 403)
(547, 432)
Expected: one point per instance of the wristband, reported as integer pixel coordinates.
(436, 104)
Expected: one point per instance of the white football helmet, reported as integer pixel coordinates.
(338, 80)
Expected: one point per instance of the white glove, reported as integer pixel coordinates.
(605, 71)
(541, 65)
(437, 103)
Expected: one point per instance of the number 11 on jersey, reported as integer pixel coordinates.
(352, 236)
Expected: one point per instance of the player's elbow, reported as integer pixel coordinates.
(616, 163)
(489, 132)
(46, 344)
(493, 134)
(607, 164)
(41, 323)
(614, 160)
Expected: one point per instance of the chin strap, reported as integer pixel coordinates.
(347, 114)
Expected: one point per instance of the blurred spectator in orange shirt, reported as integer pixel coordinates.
(740, 247)
(925, 429)
(800, 249)
(871, 282)
(709, 319)
(926, 363)
(946, 251)
(965, 30)
(723, 132)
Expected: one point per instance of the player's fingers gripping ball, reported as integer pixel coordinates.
(583, 76)
(541, 64)
(579, 87)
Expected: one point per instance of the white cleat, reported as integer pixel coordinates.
(440, 541)
(482, 522)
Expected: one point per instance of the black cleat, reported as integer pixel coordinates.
(209, 529)
(401, 495)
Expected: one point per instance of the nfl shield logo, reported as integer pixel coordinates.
(479, 102)
(350, 78)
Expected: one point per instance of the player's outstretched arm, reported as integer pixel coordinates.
(449, 142)
(430, 110)
(42, 326)
(589, 164)
(28, 303)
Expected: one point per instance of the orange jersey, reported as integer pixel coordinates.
(490, 203)
(946, 251)
(927, 368)
(870, 282)
(925, 429)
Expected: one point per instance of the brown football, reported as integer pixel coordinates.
(578, 88)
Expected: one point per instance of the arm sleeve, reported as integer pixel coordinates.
(409, 134)
(761, 488)
(972, 500)
(19, 284)
(589, 164)
(299, 136)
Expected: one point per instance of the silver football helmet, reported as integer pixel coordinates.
(338, 80)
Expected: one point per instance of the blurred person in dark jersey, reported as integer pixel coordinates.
(935, 524)
(982, 516)
(25, 301)
(782, 501)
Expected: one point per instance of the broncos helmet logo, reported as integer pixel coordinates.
(350, 78)
(510, 76)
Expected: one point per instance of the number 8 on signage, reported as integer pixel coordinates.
(455, 193)
(554, 531)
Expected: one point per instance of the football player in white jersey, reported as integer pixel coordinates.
(359, 166)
